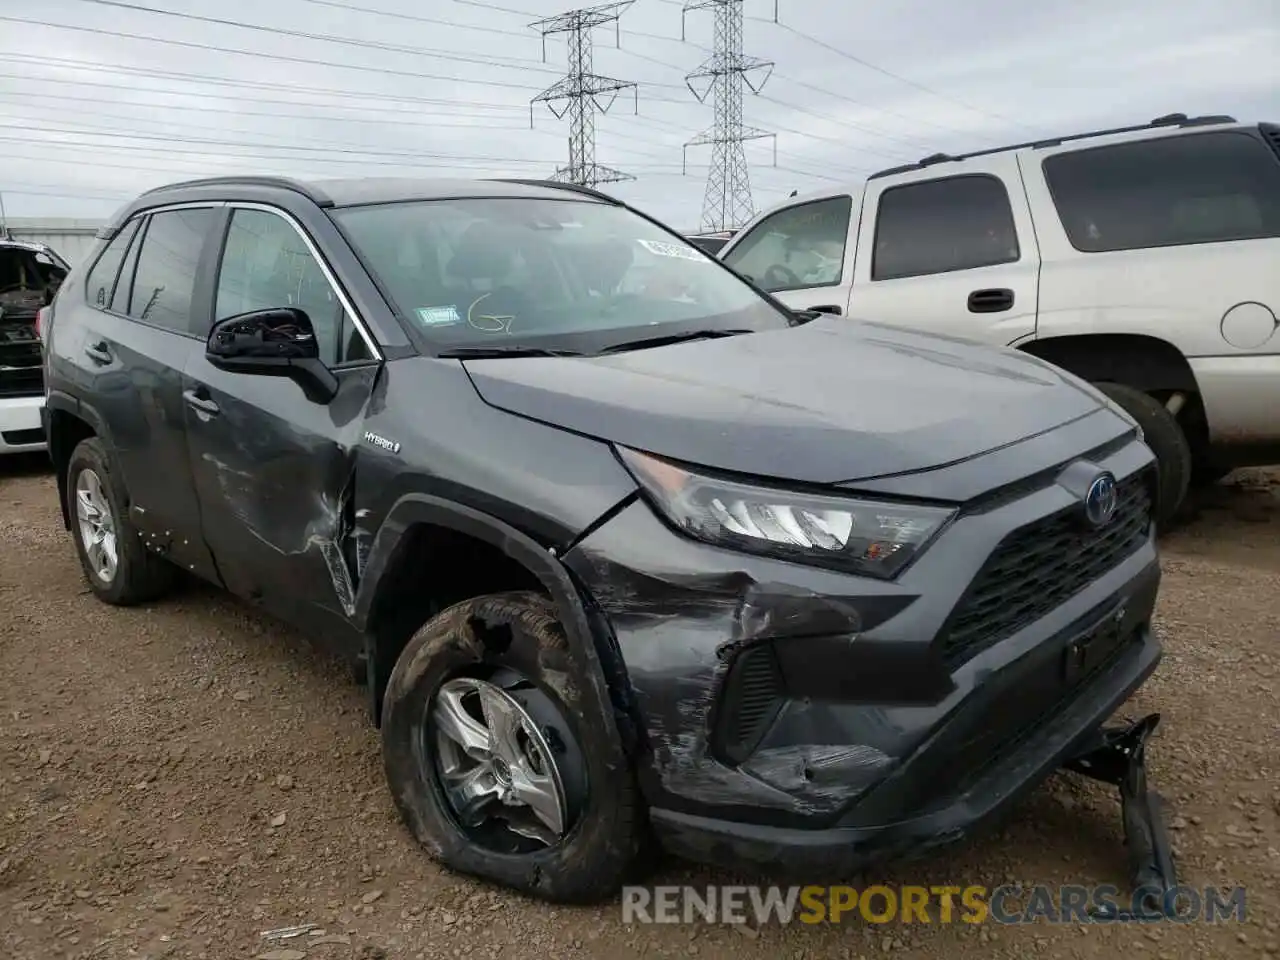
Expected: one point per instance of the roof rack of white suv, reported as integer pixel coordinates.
(1169, 120)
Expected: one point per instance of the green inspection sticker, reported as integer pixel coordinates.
(438, 316)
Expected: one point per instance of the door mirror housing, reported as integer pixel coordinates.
(277, 342)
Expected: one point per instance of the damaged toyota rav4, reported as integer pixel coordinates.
(623, 549)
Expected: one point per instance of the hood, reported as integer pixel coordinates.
(831, 401)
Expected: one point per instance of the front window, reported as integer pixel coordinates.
(796, 248)
(565, 274)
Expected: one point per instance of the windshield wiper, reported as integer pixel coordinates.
(663, 340)
(503, 350)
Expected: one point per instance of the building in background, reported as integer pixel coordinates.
(71, 239)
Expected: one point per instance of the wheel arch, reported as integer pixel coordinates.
(590, 641)
(1147, 363)
(70, 422)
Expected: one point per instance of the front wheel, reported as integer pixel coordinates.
(493, 761)
(1167, 440)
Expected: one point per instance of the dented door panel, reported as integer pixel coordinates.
(276, 477)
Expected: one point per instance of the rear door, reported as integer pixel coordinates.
(800, 253)
(275, 470)
(133, 340)
(949, 249)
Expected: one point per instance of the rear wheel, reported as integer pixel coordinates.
(117, 566)
(1167, 440)
(492, 759)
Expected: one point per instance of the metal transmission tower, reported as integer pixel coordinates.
(727, 203)
(579, 93)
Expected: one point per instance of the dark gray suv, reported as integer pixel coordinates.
(623, 548)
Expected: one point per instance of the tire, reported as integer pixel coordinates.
(136, 576)
(1167, 441)
(493, 639)
(1206, 474)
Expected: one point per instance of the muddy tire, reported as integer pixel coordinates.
(514, 643)
(1167, 440)
(119, 569)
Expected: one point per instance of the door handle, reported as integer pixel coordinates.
(98, 352)
(204, 404)
(991, 301)
(828, 308)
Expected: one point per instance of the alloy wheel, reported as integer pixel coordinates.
(97, 526)
(494, 763)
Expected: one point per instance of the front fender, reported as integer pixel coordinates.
(581, 632)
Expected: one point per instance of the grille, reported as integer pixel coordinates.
(1041, 566)
(752, 696)
(21, 381)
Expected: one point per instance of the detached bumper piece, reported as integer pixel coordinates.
(1117, 755)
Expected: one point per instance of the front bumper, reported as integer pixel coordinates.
(874, 744)
(20, 427)
(836, 852)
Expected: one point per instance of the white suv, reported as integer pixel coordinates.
(30, 274)
(1144, 259)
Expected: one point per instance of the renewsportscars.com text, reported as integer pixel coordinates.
(1009, 904)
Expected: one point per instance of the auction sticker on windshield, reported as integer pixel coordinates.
(661, 249)
(438, 316)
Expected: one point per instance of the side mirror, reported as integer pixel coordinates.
(278, 342)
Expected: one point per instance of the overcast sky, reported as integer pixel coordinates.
(95, 108)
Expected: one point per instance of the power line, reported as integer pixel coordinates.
(580, 92)
(283, 58)
(527, 63)
(415, 18)
(156, 73)
(328, 141)
(893, 76)
(526, 13)
(727, 201)
(325, 151)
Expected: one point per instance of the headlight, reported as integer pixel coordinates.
(865, 537)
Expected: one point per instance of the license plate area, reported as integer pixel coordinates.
(1092, 648)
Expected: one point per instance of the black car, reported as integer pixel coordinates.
(623, 549)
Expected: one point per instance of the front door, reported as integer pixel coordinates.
(273, 469)
(800, 254)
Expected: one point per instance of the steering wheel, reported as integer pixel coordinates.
(778, 277)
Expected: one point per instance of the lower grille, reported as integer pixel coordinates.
(1041, 566)
(19, 438)
(750, 700)
(21, 366)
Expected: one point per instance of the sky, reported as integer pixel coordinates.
(102, 99)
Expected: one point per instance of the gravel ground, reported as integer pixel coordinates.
(176, 779)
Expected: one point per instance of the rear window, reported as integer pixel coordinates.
(944, 225)
(1200, 188)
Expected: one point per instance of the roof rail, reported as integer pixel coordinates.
(316, 196)
(561, 185)
(1168, 120)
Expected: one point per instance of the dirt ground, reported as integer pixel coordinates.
(174, 780)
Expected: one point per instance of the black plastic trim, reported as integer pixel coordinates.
(1168, 120)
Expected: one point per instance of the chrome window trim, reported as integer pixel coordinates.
(374, 350)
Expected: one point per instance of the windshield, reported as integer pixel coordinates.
(570, 275)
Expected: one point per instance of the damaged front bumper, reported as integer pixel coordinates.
(810, 723)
